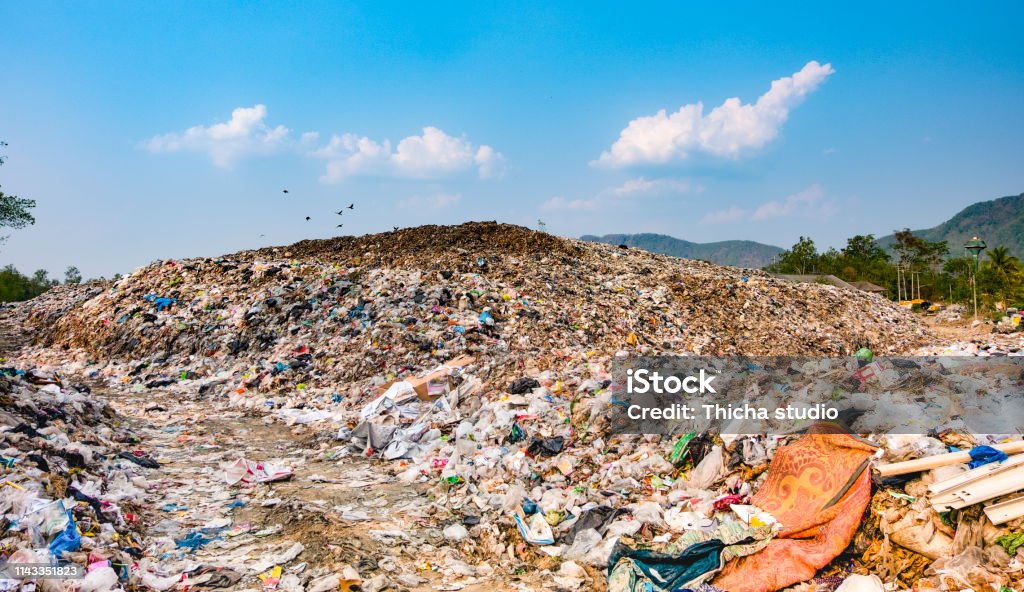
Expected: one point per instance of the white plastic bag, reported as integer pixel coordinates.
(647, 513)
(99, 580)
(535, 529)
(247, 471)
(709, 470)
(679, 520)
(585, 541)
(860, 583)
(455, 532)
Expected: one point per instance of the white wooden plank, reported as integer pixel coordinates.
(1005, 511)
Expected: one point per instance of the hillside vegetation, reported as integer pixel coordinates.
(737, 253)
(1000, 222)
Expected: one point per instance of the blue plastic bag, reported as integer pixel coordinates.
(194, 540)
(982, 455)
(67, 540)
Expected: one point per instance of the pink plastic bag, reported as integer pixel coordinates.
(247, 471)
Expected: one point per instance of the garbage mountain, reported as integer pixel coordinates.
(474, 361)
(345, 308)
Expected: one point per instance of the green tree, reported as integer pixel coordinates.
(957, 277)
(72, 276)
(14, 210)
(862, 258)
(920, 261)
(908, 246)
(1001, 275)
(801, 258)
(1003, 262)
(863, 249)
(16, 286)
(831, 261)
(12, 284)
(934, 253)
(958, 266)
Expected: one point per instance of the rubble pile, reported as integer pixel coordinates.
(70, 479)
(1011, 322)
(975, 335)
(951, 313)
(154, 501)
(415, 297)
(990, 345)
(44, 310)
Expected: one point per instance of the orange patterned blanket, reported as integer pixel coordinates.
(818, 489)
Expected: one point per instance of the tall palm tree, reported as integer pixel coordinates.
(1005, 270)
(1002, 262)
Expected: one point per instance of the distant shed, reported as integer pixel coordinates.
(814, 278)
(869, 287)
(821, 278)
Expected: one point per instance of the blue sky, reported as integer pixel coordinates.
(157, 130)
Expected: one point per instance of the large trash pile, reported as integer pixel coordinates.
(92, 501)
(476, 360)
(70, 480)
(412, 298)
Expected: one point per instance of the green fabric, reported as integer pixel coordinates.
(1011, 542)
(630, 569)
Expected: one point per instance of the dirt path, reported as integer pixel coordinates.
(966, 331)
(343, 512)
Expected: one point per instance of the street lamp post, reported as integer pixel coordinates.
(975, 246)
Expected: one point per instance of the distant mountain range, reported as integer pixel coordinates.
(999, 222)
(738, 253)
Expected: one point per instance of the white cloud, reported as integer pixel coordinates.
(643, 186)
(491, 163)
(350, 154)
(433, 154)
(245, 134)
(728, 130)
(809, 203)
(728, 215)
(556, 204)
(436, 201)
(632, 188)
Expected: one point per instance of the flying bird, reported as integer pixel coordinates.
(307, 218)
(340, 212)
(340, 225)
(351, 206)
(285, 191)
(395, 228)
